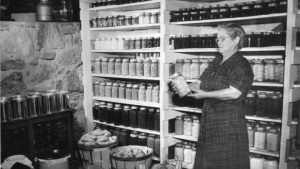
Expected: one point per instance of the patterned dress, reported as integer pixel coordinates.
(223, 138)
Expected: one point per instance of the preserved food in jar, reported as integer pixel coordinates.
(154, 68)
(260, 137)
(150, 119)
(179, 66)
(96, 88)
(133, 116)
(102, 112)
(141, 18)
(104, 65)
(139, 68)
(250, 129)
(115, 90)
(124, 137)
(250, 104)
(182, 88)
(195, 127)
(195, 69)
(155, 94)
(279, 71)
(256, 162)
(274, 106)
(270, 163)
(147, 67)
(157, 120)
(157, 146)
(262, 104)
(118, 67)
(128, 95)
(96, 111)
(117, 114)
(125, 67)
(269, 74)
(135, 92)
(272, 140)
(102, 89)
(142, 118)
(187, 126)
(126, 116)
(179, 151)
(111, 66)
(97, 65)
(179, 125)
(138, 43)
(121, 43)
(187, 154)
(258, 70)
(108, 89)
(132, 67)
(149, 93)
(142, 93)
(151, 141)
(121, 92)
(109, 113)
(133, 138)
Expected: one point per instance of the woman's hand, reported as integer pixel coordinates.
(197, 94)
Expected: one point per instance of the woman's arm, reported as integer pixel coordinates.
(230, 93)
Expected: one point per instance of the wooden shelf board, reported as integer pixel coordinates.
(127, 77)
(124, 101)
(152, 4)
(248, 19)
(268, 84)
(128, 28)
(296, 86)
(187, 109)
(252, 49)
(263, 119)
(126, 51)
(264, 152)
(183, 137)
(129, 128)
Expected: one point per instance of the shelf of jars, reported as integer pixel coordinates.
(186, 109)
(128, 28)
(124, 101)
(150, 4)
(267, 84)
(264, 152)
(266, 119)
(126, 51)
(247, 19)
(128, 128)
(252, 49)
(183, 137)
(126, 77)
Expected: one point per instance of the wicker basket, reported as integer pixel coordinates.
(131, 163)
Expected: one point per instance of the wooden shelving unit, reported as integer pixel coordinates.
(127, 77)
(128, 28)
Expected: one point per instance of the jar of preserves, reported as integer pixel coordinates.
(126, 44)
(138, 43)
(154, 68)
(187, 69)
(194, 150)
(182, 88)
(131, 43)
(155, 94)
(150, 119)
(149, 93)
(215, 12)
(96, 111)
(157, 120)
(133, 116)
(149, 42)
(147, 18)
(224, 11)
(186, 15)
(195, 126)
(124, 137)
(274, 106)
(115, 90)
(195, 69)
(250, 104)
(258, 8)
(121, 21)
(133, 138)
(128, 20)
(187, 126)
(144, 42)
(258, 70)
(108, 89)
(246, 9)
(102, 112)
(251, 130)
(111, 66)
(157, 146)
(142, 118)
(135, 20)
(235, 11)
(179, 151)
(118, 67)
(147, 67)
(126, 116)
(97, 65)
(121, 91)
(257, 161)
(139, 67)
(154, 18)
(187, 153)
(94, 22)
(279, 71)
(102, 89)
(203, 13)
(270, 163)
(282, 6)
(260, 136)
(135, 92)
(273, 7)
(269, 74)
(104, 65)
(272, 140)
(141, 18)
(117, 114)
(125, 67)
(132, 67)
(204, 64)
(128, 95)
(109, 113)
(151, 141)
(121, 43)
(179, 66)
(142, 93)
(262, 104)
(179, 125)
(96, 89)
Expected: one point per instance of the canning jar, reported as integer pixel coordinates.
(187, 69)
(274, 106)
(224, 11)
(154, 18)
(132, 43)
(111, 66)
(258, 8)
(121, 91)
(94, 22)
(151, 141)
(272, 139)
(262, 104)
(235, 11)
(126, 44)
(147, 18)
(182, 88)
(104, 65)
(269, 74)
(132, 67)
(246, 9)
(118, 67)
(258, 70)
(282, 6)
(179, 125)
(96, 111)
(179, 66)
(115, 90)
(250, 104)
(121, 43)
(142, 93)
(108, 89)
(139, 67)
(147, 67)
(195, 126)
(270, 163)
(195, 69)
(141, 18)
(150, 115)
(256, 162)
(187, 126)
(260, 137)
(155, 94)
(203, 13)
(135, 20)
(138, 43)
(121, 21)
(117, 114)
(128, 20)
(179, 151)
(96, 88)
(204, 64)
(149, 93)
(273, 7)
(124, 137)
(102, 112)
(149, 42)
(125, 67)
(187, 153)
(126, 116)
(215, 12)
(279, 71)
(109, 113)
(157, 120)
(135, 92)
(133, 116)
(142, 118)
(133, 138)
(194, 151)
(144, 42)
(154, 68)
(250, 129)
(128, 95)
(97, 65)
(102, 89)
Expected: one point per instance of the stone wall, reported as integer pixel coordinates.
(39, 56)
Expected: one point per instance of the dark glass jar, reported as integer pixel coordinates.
(157, 146)
(203, 14)
(133, 138)
(142, 139)
(133, 116)
(156, 42)
(132, 43)
(96, 110)
(186, 15)
(262, 105)
(117, 114)
(124, 137)
(195, 41)
(177, 16)
(150, 119)
(250, 104)
(283, 6)
(235, 11)
(273, 7)
(102, 112)
(142, 118)
(274, 107)
(126, 116)
(258, 9)
(215, 12)
(224, 12)
(247, 41)
(109, 113)
(179, 125)
(151, 141)
(246, 9)
(149, 42)
(157, 120)
(281, 38)
(194, 14)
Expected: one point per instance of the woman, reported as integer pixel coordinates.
(223, 139)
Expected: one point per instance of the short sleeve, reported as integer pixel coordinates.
(241, 77)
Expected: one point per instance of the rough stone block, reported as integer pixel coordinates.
(48, 56)
(13, 84)
(17, 64)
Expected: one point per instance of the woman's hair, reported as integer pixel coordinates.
(233, 31)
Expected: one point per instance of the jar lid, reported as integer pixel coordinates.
(104, 59)
(96, 83)
(262, 95)
(129, 85)
(250, 95)
(151, 135)
(134, 134)
(132, 60)
(98, 59)
(149, 86)
(273, 130)
(118, 60)
(142, 135)
(108, 83)
(96, 104)
(143, 108)
(102, 83)
(281, 61)
(134, 107)
(151, 110)
(103, 103)
(274, 96)
(142, 87)
(195, 117)
(126, 107)
(125, 60)
(122, 84)
(116, 84)
(154, 60)
(187, 146)
(156, 87)
(178, 145)
(179, 117)
(179, 60)
(157, 110)
(270, 61)
(118, 106)
(110, 105)
(195, 60)
(136, 86)
(139, 61)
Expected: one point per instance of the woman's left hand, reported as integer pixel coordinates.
(197, 94)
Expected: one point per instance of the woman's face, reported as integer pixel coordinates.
(225, 42)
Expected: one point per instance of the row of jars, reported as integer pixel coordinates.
(187, 125)
(122, 20)
(34, 104)
(242, 9)
(258, 161)
(128, 137)
(190, 68)
(125, 90)
(263, 104)
(125, 115)
(125, 43)
(186, 152)
(113, 2)
(253, 39)
(264, 136)
(127, 67)
(268, 70)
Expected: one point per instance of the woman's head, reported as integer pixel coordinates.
(230, 37)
